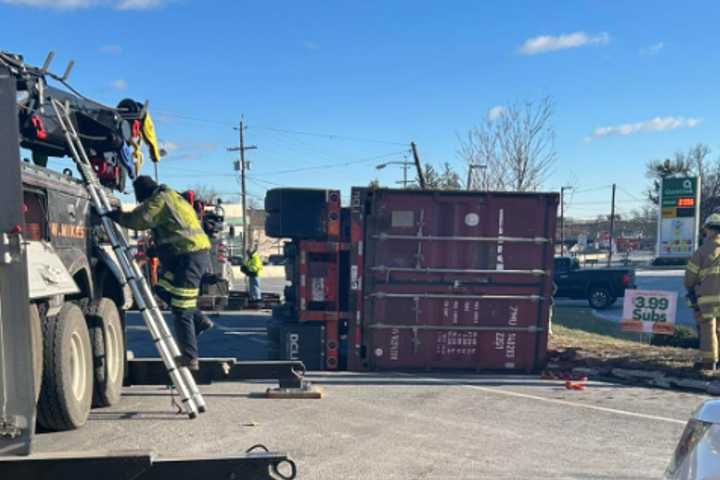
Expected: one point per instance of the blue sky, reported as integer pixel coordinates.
(393, 71)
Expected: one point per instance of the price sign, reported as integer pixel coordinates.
(649, 311)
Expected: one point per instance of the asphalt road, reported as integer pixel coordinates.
(400, 426)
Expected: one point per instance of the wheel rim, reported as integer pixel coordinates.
(78, 366)
(113, 357)
(599, 297)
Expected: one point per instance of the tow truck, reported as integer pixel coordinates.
(63, 296)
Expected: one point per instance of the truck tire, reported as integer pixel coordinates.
(67, 385)
(37, 348)
(108, 343)
(600, 298)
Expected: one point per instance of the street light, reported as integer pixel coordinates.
(472, 166)
(562, 218)
(405, 164)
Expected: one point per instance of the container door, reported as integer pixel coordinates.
(457, 280)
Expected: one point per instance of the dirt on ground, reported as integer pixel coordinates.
(572, 348)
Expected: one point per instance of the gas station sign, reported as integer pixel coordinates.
(679, 217)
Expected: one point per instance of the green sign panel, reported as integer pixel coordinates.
(675, 188)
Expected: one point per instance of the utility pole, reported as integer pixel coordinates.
(416, 157)
(242, 168)
(562, 219)
(612, 226)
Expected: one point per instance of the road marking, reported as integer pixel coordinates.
(510, 393)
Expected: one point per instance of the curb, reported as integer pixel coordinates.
(652, 378)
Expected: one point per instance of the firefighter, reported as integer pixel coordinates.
(702, 281)
(183, 250)
(253, 267)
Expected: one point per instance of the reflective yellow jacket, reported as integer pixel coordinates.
(254, 264)
(174, 224)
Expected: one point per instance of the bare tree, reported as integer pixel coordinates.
(516, 147)
(205, 192)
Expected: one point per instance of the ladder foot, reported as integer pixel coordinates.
(192, 415)
(202, 409)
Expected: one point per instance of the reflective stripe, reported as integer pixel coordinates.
(714, 270)
(177, 291)
(183, 303)
(691, 267)
(706, 299)
(169, 275)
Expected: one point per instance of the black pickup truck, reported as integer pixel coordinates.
(600, 286)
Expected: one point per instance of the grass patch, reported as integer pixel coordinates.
(582, 318)
(582, 340)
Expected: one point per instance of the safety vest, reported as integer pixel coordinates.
(174, 223)
(702, 276)
(254, 264)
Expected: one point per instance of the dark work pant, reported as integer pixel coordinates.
(179, 287)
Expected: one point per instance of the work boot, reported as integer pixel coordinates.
(193, 364)
(202, 323)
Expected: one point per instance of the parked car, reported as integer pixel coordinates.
(600, 286)
(696, 455)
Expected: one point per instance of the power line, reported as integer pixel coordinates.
(194, 119)
(329, 136)
(333, 165)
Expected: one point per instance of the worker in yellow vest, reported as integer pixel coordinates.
(253, 267)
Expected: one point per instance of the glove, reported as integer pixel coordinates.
(114, 215)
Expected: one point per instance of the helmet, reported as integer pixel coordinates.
(713, 221)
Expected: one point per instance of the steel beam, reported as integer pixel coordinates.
(145, 465)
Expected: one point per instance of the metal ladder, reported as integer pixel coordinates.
(192, 400)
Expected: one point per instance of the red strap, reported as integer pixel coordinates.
(40, 132)
(136, 126)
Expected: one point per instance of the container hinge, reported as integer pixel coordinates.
(11, 245)
(9, 429)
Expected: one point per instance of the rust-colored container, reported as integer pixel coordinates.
(450, 280)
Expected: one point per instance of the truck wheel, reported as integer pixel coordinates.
(108, 344)
(37, 348)
(600, 298)
(67, 384)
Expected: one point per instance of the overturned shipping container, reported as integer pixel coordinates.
(450, 280)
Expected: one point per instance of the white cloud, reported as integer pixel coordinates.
(78, 4)
(496, 112)
(652, 49)
(656, 124)
(111, 49)
(139, 4)
(167, 145)
(549, 43)
(119, 84)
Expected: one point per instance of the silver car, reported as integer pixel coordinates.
(697, 455)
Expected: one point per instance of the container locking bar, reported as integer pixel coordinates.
(455, 238)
